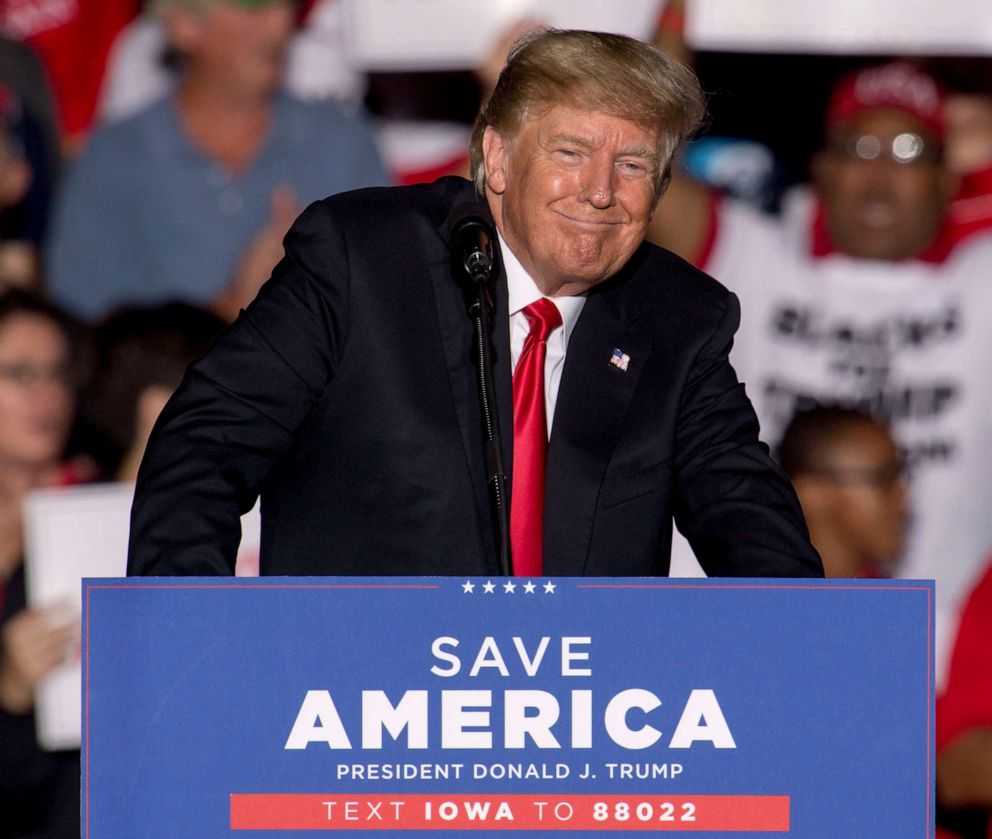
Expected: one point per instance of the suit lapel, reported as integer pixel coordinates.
(593, 399)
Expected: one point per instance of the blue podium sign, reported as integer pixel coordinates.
(213, 707)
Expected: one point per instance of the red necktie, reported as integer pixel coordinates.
(530, 441)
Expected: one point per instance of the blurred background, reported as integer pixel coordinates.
(153, 155)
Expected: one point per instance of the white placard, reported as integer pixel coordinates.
(842, 26)
(74, 533)
(458, 34)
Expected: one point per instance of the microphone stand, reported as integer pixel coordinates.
(479, 270)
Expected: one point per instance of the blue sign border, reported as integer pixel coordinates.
(812, 686)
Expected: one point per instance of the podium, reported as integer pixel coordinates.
(271, 706)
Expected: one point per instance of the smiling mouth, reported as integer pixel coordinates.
(878, 219)
(591, 222)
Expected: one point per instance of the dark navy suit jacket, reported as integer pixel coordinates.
(345, 395)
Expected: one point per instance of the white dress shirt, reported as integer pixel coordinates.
(522, 291)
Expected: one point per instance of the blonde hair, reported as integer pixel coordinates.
(593, 71)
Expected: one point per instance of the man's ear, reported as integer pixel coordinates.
(494, 159)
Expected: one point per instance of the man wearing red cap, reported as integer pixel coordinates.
(858, 296)
(869, 209)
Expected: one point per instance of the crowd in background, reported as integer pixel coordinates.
(151, 160)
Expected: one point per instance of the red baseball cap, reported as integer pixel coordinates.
(896, 85)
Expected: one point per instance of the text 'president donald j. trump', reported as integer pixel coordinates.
(345, 394)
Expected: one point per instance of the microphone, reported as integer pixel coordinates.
(472, 248)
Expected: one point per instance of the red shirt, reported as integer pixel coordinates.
(967, 700)
(73, 39)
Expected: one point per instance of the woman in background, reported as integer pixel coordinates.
(39, 791)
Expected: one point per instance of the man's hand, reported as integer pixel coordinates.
(968, 145)
(260, 256)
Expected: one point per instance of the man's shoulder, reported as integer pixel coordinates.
(662, 279)
(122, 143)
(406, 206)
(670, 298)
(294, 115)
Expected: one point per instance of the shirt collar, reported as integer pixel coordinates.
(522, 290)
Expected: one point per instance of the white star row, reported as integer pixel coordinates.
(509, 587)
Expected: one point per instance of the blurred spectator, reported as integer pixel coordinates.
(417, 147)
(18, 254)
(964, 722)
(849, 478)
(22, 74)
(968, 111)
(73, 40)
(189, 199)
(141, 355)
(142, 68)
(39, 791)
(859, 296)
(969, 116)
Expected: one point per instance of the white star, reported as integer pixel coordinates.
(489, 588)
(509, 587)
(529, 587)
(549, 587)
(468, 587)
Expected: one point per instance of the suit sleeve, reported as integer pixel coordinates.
(235, 413)
(732, 502)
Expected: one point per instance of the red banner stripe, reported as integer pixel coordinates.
(364, 811)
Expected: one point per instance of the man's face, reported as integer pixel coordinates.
(876, 206)
(35, 397)
(870, 511)
(572, 193)
(242, 47)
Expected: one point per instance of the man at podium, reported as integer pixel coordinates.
(345, 394)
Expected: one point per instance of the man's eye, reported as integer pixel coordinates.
(568, 154)
(631, 167)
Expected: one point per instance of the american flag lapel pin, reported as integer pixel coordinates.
(620, 359)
